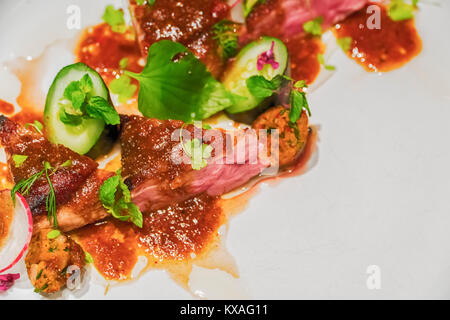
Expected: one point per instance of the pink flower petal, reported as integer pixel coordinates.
(267, 57)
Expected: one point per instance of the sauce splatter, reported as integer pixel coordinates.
(383, 49)
(303, 51)
(102, 49)
(176, 234)
(6, 108)
(5, 178)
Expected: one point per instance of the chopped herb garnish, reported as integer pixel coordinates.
(399, 10)
(19, 159)
(24, 186)
(114, 17)
(36, 125)
(225, 32)
(176, 85)
(322, 62)
(345, 43)
(123, 88)
(38, 290)
(198, 152)
(38, 276)
(260, 87)
(116, 198)
(79, 103)
(123, 63)
(314, 27)
(88, 258)
(53, 234)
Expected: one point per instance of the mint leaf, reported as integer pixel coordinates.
(69, 118)
(99, 108)
(119, 205)
(298, 103)
(260, 87)
(176, 85)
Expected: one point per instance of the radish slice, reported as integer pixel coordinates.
(19, 236)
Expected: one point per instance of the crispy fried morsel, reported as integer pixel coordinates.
(48, 259)
(292, 136)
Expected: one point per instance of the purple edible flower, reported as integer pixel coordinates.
(7, 280)
(267, 58)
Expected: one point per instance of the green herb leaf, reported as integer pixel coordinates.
(298, 103)
(53, 234)
(114, 17)
(345, 43)
(70, 118)
(123, 88)
(176, 85)
(99, 108)
(225, 32)
(198, 152)
(322, 62)
(314, 26)
(88, 258)
(260, 87)
(36, 125)
(123, 63)
(399, 10)
(19, 159)
(119, 205)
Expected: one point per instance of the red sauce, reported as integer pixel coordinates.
(384, 49)
(177, 233)
(303, 52)
(102, 49)
(6, 108)
(6, 214)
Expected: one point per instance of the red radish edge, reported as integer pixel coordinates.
(30, 232)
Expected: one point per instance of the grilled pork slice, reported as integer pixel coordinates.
(285, 18)
(156, 177)
(75, 186)
(189, 22)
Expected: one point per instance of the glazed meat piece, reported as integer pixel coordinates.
(48, 261)
(149, 147)
(186, 21)
(285, 18)
(75, 186)
(292, 137)
(82, 209)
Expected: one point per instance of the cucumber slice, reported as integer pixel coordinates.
(80, 138)
(245, 66)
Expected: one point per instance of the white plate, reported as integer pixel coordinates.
(378, 196)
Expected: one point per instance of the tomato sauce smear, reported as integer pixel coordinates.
(175, 234)
(380, 50)
(102, 49)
